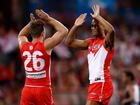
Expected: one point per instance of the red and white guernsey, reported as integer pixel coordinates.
(99, 59)
(37, 64)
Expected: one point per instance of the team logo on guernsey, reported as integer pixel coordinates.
(31, 47)
(96, 46)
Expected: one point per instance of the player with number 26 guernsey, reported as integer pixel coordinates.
(36, 56)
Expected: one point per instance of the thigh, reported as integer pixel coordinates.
(26, 103)
(26, 97)
(94, 92)
(107, 94)
(44, 96)
(93, 103)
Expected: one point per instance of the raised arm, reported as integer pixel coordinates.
(61, 30)
(76, 43)
(110, 32)
(22, 36)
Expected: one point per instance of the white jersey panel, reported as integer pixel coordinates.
(96, 65)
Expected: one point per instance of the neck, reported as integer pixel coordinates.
(96, 36)
(37, 39)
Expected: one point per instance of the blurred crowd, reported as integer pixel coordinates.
(69, 69)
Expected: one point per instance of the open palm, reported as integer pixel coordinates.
(80, 20)
(96, 10)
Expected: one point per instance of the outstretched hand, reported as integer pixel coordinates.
(80, 20)
(41, 14)
(96, 10)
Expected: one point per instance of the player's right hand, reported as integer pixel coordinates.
(41, 14)
(96, 10)
(80, 20)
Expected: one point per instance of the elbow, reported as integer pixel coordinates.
(112, 31)
(65, 31)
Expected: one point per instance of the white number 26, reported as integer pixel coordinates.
(34, 59)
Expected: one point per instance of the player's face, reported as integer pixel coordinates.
(94, 28)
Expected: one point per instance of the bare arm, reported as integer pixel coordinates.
(22, 37)
(61, 30)
(76, 43)
(109, 41)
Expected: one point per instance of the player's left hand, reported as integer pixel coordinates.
(41, 14)
(80, 20)
(96, 10)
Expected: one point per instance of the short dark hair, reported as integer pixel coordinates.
(37, 27)
(130, 75)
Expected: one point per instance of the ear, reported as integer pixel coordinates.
(43, 35)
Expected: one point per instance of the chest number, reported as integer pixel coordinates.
(37, 63)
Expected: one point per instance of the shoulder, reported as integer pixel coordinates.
(46, 46)
(25, 46)
(22, 40)
(89, 40)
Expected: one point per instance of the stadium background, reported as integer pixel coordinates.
(69, 66)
